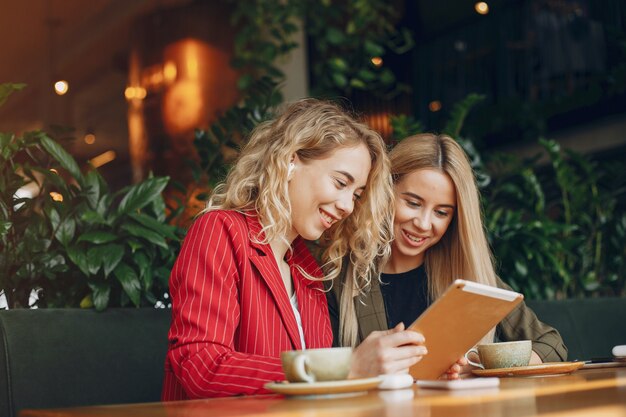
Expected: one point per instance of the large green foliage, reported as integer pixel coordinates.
(555, 229)
(93, 248)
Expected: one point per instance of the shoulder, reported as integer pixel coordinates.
(223, 217)
(220, 222)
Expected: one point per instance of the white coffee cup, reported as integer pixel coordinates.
(502, 355)
(312, 365)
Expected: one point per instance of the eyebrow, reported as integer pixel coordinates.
(350, 178)
(417, 197)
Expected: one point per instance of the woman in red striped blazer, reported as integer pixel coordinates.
(245, 287)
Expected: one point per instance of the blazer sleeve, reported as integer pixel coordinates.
(206, 311)
(523, 324)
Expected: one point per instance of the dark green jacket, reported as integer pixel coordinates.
(520, 324)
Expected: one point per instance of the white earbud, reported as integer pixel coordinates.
(290, 169)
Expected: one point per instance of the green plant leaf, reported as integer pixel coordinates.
(5, 226)
(111, 257)
(373, 49)
(142, 194)
(79, 257)
(92, 188)
(459, 113)
(145, 233)
(62, 157)
(94, 259)
(7, 89)
(97, 237)
(155, 225)
(86, 302)
(338, 64)
(134, 244)
(101, 291)
(65, 231)
(92, 217)
(334, 36)
(340, 80)
(130, 282)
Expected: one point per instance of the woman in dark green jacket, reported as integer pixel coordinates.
(439, 237)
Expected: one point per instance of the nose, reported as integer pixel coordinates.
(345, 205)
(422, 220)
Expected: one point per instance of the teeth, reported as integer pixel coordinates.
(414, 238)
(327, 218)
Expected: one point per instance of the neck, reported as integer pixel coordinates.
(399, 263)
(279, 248)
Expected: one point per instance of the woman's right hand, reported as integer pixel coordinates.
(387, 352)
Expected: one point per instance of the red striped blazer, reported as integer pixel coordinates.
(231, 315)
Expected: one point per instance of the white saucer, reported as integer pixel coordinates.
(321, 388)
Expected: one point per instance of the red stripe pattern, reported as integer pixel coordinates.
(231, 315)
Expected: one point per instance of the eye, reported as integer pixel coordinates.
(442, 213)
(340, 183)
(413, 204)
(356, 197)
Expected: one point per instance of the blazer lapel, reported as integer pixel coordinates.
(263, 259)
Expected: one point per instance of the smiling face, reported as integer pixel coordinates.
(425, 206)
(323, 191)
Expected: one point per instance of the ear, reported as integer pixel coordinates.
(292, 166)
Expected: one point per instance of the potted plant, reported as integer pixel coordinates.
(75, 242)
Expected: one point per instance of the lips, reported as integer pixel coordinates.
(412, 239)
(327, 218)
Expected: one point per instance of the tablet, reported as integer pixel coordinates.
(457, 321)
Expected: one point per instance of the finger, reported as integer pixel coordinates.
(453, 376)
(407, 337)
(462, 361)
(400, 366)
(454, 369)
(405, 352)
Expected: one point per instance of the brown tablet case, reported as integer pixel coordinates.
(457, 321)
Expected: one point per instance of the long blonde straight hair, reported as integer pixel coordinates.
(311, 129)
(463, 252)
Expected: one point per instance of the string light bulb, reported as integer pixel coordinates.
(377, 61)
(481, 7)
(434, 106)
(61, 87)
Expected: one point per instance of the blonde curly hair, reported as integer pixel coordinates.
(312, 129)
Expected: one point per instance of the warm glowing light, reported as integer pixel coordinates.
(135, 93)
(102, 159)
(191, 54)
(56, 196)
(140, 93)
(434, 106)
(182, 107)
(54, 171)
(129, 93)
(481, 7)
(90, 138)
(61, 87)
(169, 72)
(377, 61)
